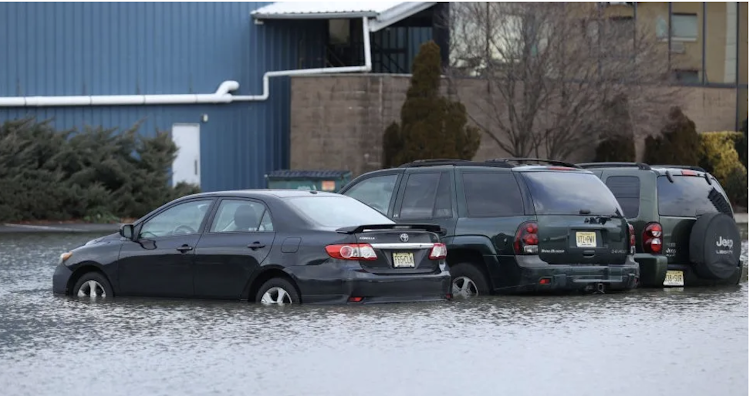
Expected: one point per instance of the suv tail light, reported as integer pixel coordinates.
(438, 252)
(631, 233)
(353, 251)
(527, 241)
(652, 238)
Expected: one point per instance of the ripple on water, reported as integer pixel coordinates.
(649, 342)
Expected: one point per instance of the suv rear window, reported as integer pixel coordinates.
(690, 196)
(567, 193)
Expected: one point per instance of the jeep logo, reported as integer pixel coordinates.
(724, 242)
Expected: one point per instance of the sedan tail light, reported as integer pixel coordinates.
(352, 251)
(438, 252)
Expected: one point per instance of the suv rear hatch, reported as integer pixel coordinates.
(681, 201)
(579, 221)
(399, 249)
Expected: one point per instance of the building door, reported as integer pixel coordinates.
(187, 165)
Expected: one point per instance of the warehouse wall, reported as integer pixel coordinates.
(162, 48)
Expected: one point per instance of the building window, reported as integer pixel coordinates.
(684, 27)
(338, 32)
(686, 76)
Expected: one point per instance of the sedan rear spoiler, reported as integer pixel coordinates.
(361, 228)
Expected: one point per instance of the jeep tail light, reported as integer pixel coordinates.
(631, 233)
(527, 240)
(652, 238)
(438, 252)
(353, 251)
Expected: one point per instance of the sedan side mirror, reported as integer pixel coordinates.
(126, 231)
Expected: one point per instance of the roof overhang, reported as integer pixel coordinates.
(381, 13)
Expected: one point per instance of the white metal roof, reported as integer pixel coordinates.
(383, 13)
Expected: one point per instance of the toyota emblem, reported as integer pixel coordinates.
(403, 237)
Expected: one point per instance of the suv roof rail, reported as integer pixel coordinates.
(448, 162)
(521, 160)
(690, 167)
(639, 165)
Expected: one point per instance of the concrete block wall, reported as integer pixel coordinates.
(338, 120)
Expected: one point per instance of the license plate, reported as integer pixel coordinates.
(674, 278)
(586, 239)
(403, 260)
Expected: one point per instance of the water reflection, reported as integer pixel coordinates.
(688, 342)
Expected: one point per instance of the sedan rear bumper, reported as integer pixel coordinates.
(538, 276)
(337, 283)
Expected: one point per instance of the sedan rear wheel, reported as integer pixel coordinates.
(277, 291)
(92, 285)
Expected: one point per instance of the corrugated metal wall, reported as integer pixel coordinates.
(401, 45)
(162, 48)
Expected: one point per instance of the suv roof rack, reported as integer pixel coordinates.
(639, 165)
(450, 162)
(522, 160)
(689, 167)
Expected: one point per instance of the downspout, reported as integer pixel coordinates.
(222, 94)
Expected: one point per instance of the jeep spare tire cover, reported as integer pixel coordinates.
(715, 246)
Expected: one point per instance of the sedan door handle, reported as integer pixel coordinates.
(184, 248)
(256, 245)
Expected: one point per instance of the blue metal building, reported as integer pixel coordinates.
(114, 64)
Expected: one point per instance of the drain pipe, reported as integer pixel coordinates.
(222, 94)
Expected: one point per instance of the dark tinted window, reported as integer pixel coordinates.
(492, 194)
(427, 196)
(689, 196)
(567, 193)
(627, 190)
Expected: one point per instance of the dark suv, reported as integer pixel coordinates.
(510, 226)
(685, 225)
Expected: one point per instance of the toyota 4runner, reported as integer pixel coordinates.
(685, 227)
(511, 226)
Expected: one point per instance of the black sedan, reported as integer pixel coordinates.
(268, 246)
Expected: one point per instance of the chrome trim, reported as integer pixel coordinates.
(402, 245)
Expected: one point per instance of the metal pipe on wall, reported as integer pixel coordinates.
(703, 47)
(222, 94)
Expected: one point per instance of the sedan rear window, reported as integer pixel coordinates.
(690, 196)
(336, 212)
(570, 193)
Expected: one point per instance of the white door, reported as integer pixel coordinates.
(187, 166)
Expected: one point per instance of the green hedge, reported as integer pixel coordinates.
(96, 174)
(719, 157)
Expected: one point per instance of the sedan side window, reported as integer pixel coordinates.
(182, 219)
(375, 192)
(239, 215)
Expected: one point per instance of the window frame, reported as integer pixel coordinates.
(522, 191)
(201, 229)
(215, 212)
(640, 193)
(394, 195)
(399, 206)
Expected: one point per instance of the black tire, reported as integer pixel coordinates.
(102, 285)
(715, 246)
(462, 271)
(282, 284)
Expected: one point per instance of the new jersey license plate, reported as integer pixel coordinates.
(403, 260)
(586, 239)
(674, 278)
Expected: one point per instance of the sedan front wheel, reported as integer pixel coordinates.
(92, 285)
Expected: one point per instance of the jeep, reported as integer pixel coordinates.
(512, 225)
(685, 227)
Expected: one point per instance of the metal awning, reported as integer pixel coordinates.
(381, 13)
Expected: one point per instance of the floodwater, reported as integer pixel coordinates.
(647, 342)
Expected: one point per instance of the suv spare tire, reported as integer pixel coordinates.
(715, 246)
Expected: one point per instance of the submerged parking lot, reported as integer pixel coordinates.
(647, 342)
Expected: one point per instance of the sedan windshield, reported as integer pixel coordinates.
(336, 211)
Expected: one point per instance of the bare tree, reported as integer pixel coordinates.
(550, 70)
